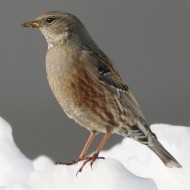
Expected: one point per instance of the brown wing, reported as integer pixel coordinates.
(108, 75)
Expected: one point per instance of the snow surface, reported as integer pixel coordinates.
(129, 165)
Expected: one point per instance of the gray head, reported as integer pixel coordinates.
(60, 27)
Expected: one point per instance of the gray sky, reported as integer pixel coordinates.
(148, 41)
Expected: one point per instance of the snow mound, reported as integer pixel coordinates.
(141, 161)
(130, 166)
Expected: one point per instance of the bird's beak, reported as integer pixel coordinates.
(33, 24)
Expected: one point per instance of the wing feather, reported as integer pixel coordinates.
(108, 75)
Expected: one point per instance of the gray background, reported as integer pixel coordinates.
(148, 41)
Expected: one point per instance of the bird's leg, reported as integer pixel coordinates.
(84, 150)
(92, 158)
(87, 145)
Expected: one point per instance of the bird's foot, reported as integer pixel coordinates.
(90, 159)
(68, 163)
(72, 162)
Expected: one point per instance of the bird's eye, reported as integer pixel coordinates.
(50, 20)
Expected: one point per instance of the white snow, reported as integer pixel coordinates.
(142, 162)
(128, 165)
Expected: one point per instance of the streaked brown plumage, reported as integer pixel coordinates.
(89, 88)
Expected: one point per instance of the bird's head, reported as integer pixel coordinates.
(57, 26)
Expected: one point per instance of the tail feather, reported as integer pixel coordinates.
(164, 155)
(142, 133)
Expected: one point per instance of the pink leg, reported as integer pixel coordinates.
(92, 158)
(84, 150)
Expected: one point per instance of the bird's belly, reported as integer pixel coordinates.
(88, 105)
(85, 100)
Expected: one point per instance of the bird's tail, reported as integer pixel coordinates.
(163, 154)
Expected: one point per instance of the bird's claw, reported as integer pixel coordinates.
(68, 163)
(90, 159)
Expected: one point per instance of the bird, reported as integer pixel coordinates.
(89, 89)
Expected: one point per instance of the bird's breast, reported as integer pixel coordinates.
(60, 65)
(82, 96)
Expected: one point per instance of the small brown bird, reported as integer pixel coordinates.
(89, 88)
